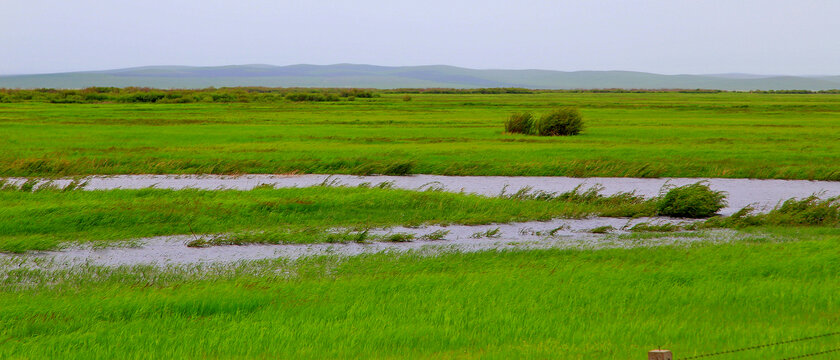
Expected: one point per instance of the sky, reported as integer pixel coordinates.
(666, 37)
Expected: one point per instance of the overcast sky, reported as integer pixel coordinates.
(668, 36)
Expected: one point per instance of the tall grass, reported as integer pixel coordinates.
(610, 304)
(810, 211)
(47, 218)
(520, 123)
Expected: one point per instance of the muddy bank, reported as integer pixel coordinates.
(560, 233)
(764, 194)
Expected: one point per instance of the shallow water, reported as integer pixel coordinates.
(172, 250)
(763, 194)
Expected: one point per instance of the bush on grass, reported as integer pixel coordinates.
(565, 121)
(691, 201)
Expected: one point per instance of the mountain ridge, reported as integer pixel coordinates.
(424, 76)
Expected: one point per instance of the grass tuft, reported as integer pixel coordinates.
(648, 227)
(490, 233)
(435, 235)
(602, 229)
(398, 237)
(520, 123)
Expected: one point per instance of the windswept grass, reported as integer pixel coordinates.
(625, 204)
(44, 219)
(607, 304)
(810, 211)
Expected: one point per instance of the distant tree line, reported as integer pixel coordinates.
(834, 91)
(268, 95)
(182, 96)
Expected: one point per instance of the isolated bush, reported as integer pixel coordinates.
(520, 123)
(564, 121)
(406, 98)
(691, 201)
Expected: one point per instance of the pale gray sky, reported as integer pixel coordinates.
(667, 36)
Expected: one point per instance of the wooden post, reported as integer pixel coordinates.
(660, 355)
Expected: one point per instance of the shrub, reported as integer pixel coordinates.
(142, 97)
(691, 201)
(311, 97)
(356, 93)
(564, 121)
(96, 97)
(406, 98)
(520, 123)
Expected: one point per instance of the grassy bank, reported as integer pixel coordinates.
(607, 304)
(638, 135)
(44, 219)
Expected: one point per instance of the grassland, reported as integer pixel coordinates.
(627, 134)
(44, 219)
(776, 285)
(606, 304)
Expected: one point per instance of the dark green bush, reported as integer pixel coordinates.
(356, 93)
(311, 97)
(223, 98)
(142, 97)
(520, 123)
(564, 121)
(92, 97)
(691, 201)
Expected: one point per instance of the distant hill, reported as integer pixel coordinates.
(371, 76)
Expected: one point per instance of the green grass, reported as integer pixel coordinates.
(779, 284)
(604, 304)
(44, 219)
(733, 135)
